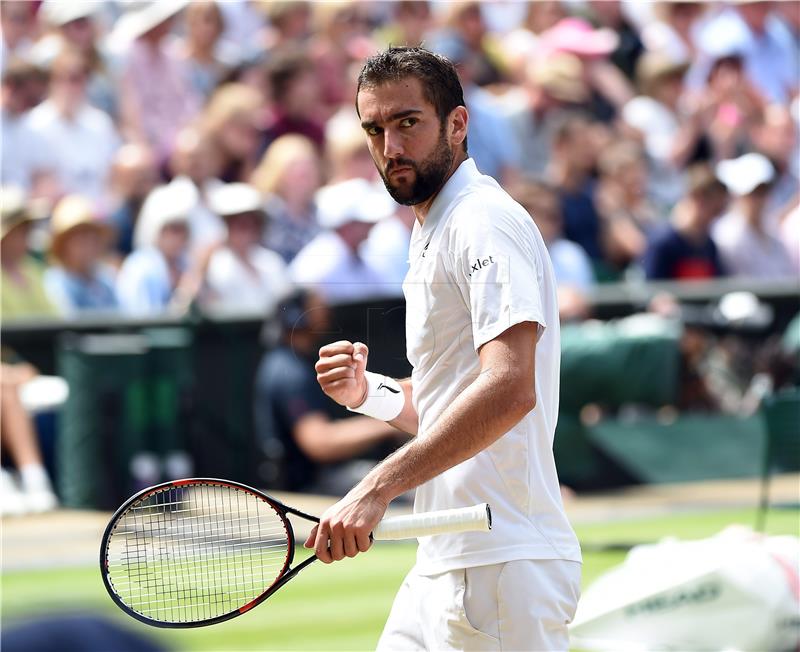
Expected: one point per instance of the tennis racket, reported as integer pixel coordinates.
(196, 552)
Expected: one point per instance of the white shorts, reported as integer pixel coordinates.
(519, 605)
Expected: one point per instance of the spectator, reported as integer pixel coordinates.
(231, 125)
(193, 163)
(746, 247)
(789, 234)
(331, 264)
(31, 490)
(571, 164)
(342, 37)
(465, 27)
(296, 98)
(674, 32)
(684, 249)
(628, 215)
(552, 84)
(18, 30)
(289, 24)
(766, 45)
(206, 57)
(777, 136)
(23, 297)
(610, 88)
(571, 264)
(23, 294)
(611, 15)
(79, 281)
(150, 276)
(288, 176)
(80, 140)
(728, 107)
(346, 150)
(386, 248)
(245, 22)
(156, 100)
(134, 173)
(22, 165)
(521, 45)
(411, 22)
(243, 277)
(654, 116)
(491, 141)
(299, 429)
(75, 26)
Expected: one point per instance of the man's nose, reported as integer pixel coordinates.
(392, 145)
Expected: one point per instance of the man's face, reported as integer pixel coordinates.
(407, 141)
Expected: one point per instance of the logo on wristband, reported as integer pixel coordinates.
(391, 389)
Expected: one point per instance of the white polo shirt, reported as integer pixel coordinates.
(478, 265)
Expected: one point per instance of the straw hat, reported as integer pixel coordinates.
(561, 76)
(654, 67)
(70, 213)
(15, 210)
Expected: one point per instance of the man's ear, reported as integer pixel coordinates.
(458, 121)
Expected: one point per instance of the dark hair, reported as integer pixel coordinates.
(287, 66)
(436, 74)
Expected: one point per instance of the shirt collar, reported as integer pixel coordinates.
(463, 176)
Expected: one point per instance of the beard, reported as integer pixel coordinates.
(429, 175)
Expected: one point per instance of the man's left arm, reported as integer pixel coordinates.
(501, 395)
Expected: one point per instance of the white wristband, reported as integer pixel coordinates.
(385, 398)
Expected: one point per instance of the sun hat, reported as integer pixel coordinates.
(71, 212)
(234, 199)
(164, 205)
(354, 200)
(655, 66)
(61, 12)
(141, 16)
(578, 37)
(561, 76)
(15, 210)
(743, 175)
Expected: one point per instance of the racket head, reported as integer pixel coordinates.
(195, 552)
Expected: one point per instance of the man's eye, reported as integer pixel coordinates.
(373, 131)
(408, 122)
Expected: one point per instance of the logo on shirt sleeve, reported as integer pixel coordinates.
(480, 264)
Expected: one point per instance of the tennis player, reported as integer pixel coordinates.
(482, 336)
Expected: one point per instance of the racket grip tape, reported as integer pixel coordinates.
(477, 518)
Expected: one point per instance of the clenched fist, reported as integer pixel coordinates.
(340, 372)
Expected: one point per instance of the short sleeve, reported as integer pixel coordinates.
(498, 268)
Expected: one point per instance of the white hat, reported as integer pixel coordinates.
(164, 205)
(354, 200)
(141, 16)
(61, 12)
(743, 175)
(235, 198)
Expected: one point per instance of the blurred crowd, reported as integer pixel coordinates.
(162, 155)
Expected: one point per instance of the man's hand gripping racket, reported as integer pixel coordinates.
(200, 551)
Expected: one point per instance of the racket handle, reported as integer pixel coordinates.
(477, 518)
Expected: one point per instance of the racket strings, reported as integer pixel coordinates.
(192, 553)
